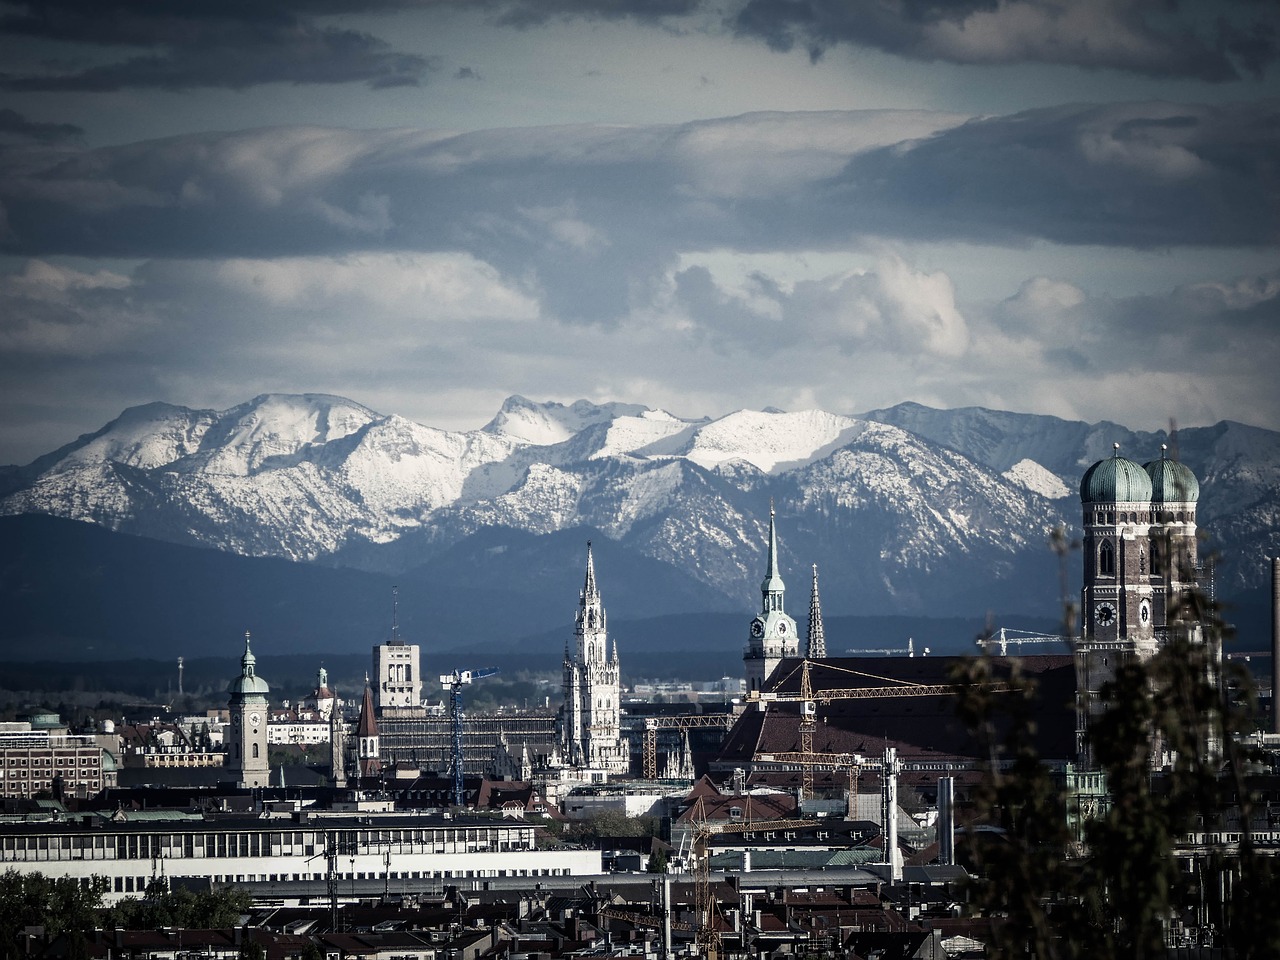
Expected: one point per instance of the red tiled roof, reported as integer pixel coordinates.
(921, 728)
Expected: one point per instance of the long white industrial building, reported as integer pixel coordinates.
(301, 847)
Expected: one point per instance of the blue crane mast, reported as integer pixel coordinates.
(453, 682)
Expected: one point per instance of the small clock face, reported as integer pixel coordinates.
(1145, 613)
(255, 718)
(782, 628)
(1104, 614)
(757, 628)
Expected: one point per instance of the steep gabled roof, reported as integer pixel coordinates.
(368, 725)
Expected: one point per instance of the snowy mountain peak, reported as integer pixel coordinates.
(147, 436)
(545, 424)
(907, 509)
(771, 440)
(276, 425)
(1029, 474)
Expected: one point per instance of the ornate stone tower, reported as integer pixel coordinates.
(1118, 597)
(590, 733)
(772, 633)
(1174, 555)
(1139, 565)
(247, 745)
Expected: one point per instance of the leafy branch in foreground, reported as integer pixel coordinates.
(1167, 739)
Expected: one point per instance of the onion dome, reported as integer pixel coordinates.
(1115, 480)
(248, 683)
(1171, 481)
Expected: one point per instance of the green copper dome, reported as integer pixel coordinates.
(1115, 480)
(248, 683)
(1171, 481)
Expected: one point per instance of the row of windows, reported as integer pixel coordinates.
(62, 762)
(139, 884)
(1153, 516)
(260, 844)
(1107, 559)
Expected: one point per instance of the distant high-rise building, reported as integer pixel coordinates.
(397, 671)
(773, 634)
(590, 732)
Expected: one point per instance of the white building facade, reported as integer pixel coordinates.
(129, 854)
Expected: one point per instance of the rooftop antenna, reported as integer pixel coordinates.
(179, 676)
(395, 616)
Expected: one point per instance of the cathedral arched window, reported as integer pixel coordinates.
(1107, 559)
(255, 751)
(1157, 562)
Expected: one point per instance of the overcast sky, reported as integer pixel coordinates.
(699, 205)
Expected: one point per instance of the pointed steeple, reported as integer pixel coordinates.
(817, 641)
(772, 589)
(591, 617)
(248, 661)
(589, 589)
(367, 748)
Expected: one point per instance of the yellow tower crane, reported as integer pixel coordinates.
(649, 745)
(707, 939)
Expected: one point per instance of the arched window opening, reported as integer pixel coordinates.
(255, 751)
(1107, 559)
(1157, 562)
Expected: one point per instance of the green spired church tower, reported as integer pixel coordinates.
(247, 743)
(773, 633)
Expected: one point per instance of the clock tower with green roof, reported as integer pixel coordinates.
(773, 634)
(247, 742)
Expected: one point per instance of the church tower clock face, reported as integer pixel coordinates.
(1104, 614)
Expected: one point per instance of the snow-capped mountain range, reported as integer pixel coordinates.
(907, 510)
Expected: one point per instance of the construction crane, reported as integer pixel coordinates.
(454, 682)
(808, 698)
(707, 938)
(1005, 636)
(649, 743)
(910, 650)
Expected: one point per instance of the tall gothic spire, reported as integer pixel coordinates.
(773, 588)
(817, 642)
(589, 590)
(590, 608)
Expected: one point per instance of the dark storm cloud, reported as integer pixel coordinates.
(1199, 40)
(530, 13)
(1139, 175)
(205, 43)
(14, 127)
(595, 216)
